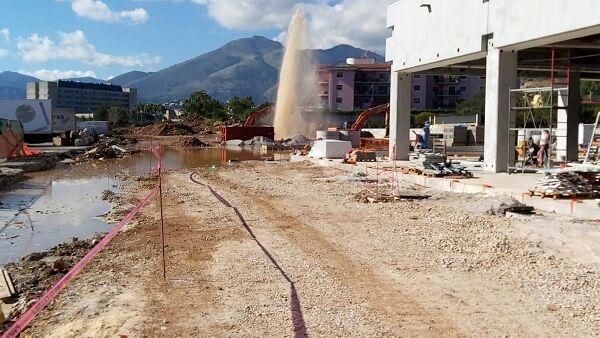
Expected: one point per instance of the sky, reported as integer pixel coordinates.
(52, 39)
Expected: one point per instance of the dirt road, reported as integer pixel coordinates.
(272, 250)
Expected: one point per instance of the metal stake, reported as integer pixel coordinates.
(162, 223)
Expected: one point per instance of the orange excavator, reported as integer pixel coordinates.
(248, 131)
(364, 116)
(255, 115)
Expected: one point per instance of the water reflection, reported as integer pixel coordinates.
(54, 206)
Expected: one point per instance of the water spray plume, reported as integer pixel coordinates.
(297, 92)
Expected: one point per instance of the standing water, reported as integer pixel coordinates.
(297, 91)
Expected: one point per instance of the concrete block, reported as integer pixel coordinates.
(330, 149)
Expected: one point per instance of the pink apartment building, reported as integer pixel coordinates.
(359, 84)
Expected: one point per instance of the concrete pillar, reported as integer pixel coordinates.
(501, 76)
(400, 96)
(567, 130)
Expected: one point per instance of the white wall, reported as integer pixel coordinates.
(454, 30)
(34, 114)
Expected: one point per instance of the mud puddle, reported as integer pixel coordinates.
(53, 207)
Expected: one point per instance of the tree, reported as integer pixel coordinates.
(118, 116)
(590, 87)
(203, 105)
(102, 113)
(475, 105)
(240, 107)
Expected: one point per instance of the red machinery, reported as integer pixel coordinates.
(251, 119)
(248, 131)
(364, 116)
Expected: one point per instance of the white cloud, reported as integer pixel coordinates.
(3, 53)
(5, 34)
(99, 11)
(356, 22)
(75, 47)
(55, 74)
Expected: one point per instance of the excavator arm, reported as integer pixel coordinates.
(364, 116)
(255, 115)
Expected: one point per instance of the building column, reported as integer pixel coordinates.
(501, 76)
(567, 130)
(400, 106)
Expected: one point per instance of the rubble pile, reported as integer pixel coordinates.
(437, 165)
(297, 141)
(563, 183)
(259, 141)
(107, 147)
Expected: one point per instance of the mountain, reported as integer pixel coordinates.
(127, 78)
(244, 67)
(87, 79)
(14, 85)
(341, 53)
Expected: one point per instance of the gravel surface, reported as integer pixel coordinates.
(299, 257)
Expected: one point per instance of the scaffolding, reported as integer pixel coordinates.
(528, 101)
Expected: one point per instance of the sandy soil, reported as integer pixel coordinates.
(295, 255)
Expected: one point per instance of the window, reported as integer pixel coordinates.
(463, 88)
(416, 76)
(417, 88)
(417, 100)
(339, 100)
(339, 87)
(340, 74)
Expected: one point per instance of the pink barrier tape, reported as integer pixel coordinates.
(36, 308)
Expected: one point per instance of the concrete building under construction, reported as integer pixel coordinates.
(501, 41)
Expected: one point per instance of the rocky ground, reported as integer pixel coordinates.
(286, 250)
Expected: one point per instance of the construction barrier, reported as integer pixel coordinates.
(12, 138)
(27, 317)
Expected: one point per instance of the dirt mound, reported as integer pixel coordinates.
(166, 129)
(200, 125)
(190, 142)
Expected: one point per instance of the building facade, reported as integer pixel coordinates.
(83, 98)
(359, 84)
(502, 41)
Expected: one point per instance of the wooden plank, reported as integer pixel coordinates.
(7, 289)
(4, 287)
(9, 282)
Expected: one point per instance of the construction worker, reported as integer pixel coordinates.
(542, 156)
(425, 135)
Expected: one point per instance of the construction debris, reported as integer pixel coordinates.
(563, 184)
(436, 165)
(363, 156)
(297, 141)
(259, 141)
(374, 196)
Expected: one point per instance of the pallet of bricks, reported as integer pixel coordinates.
(568, 184)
